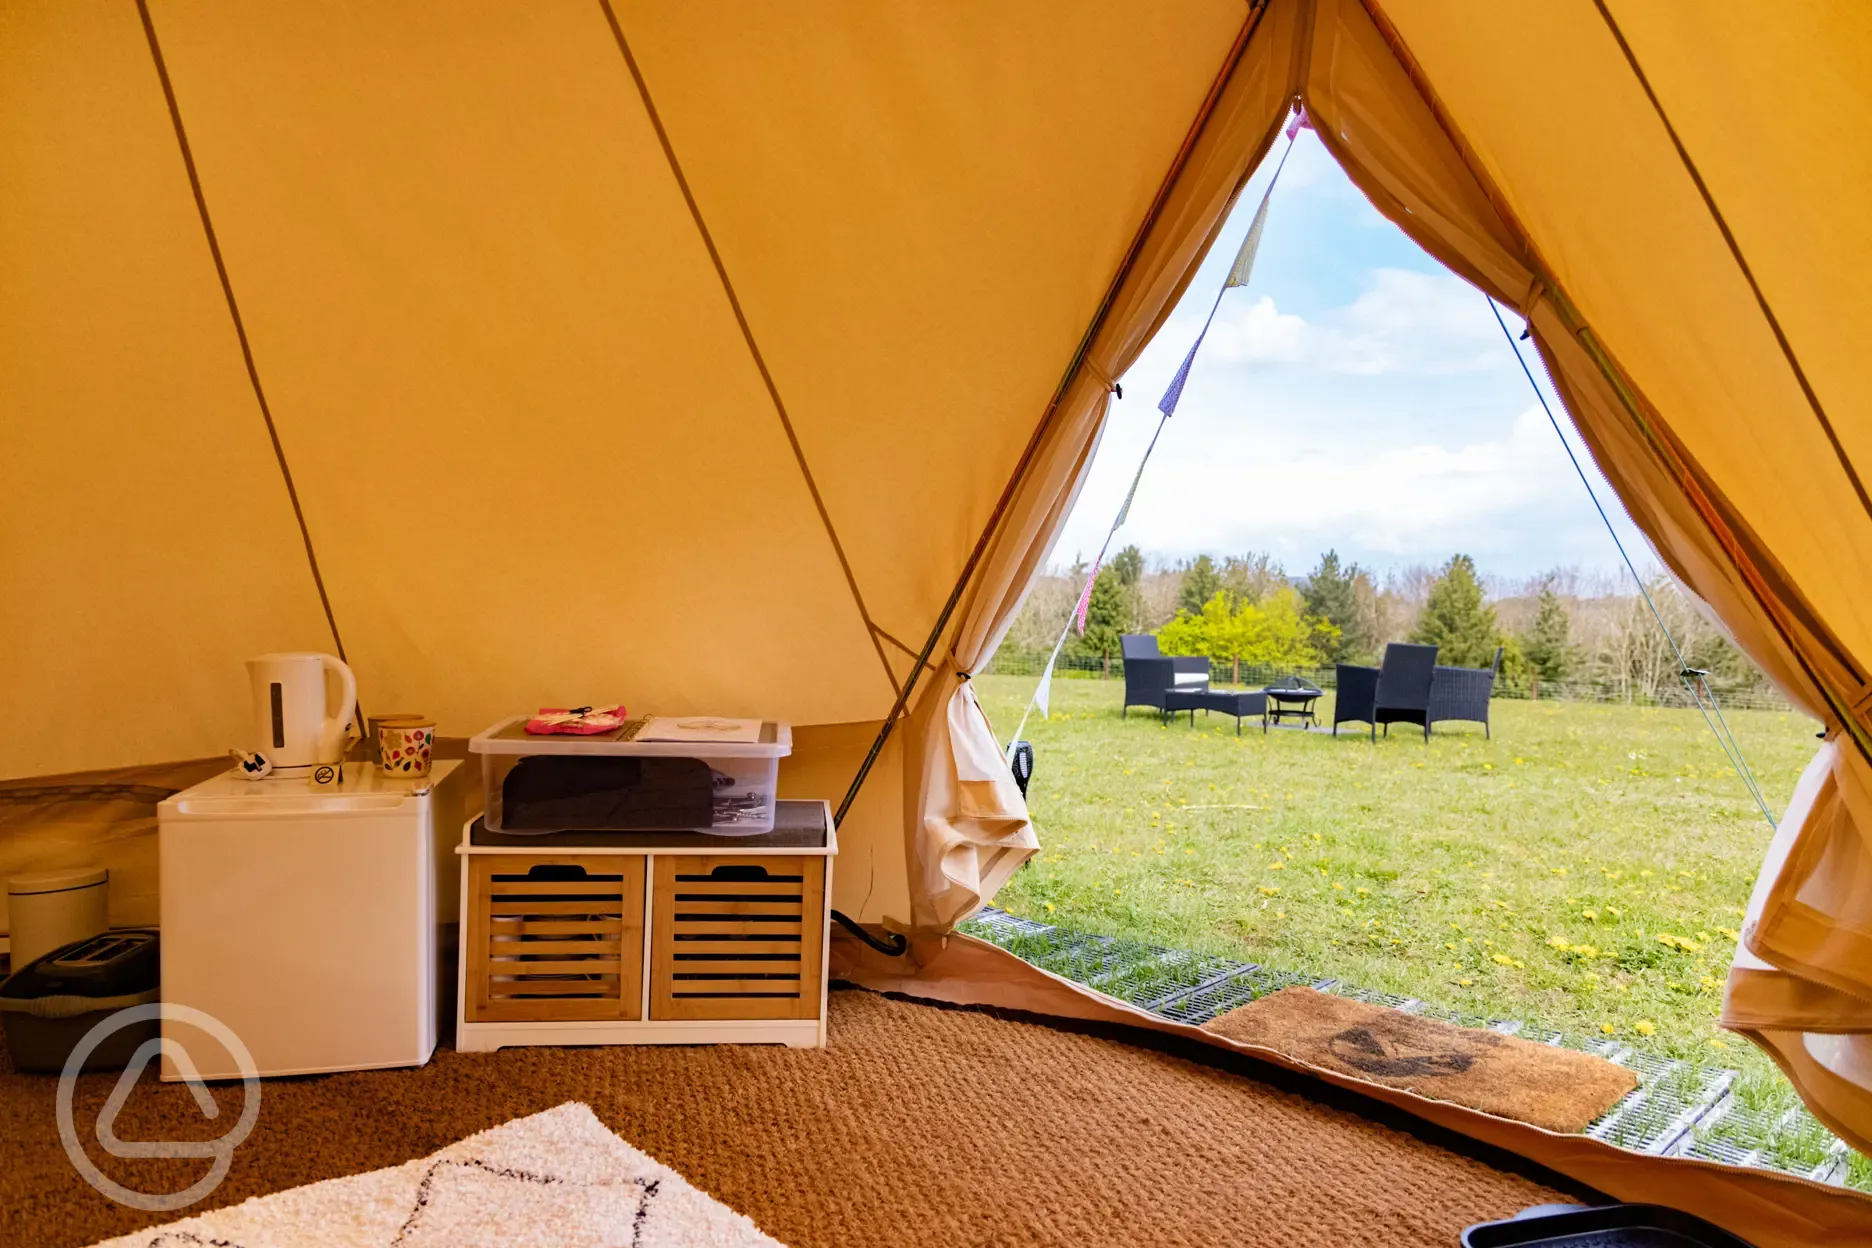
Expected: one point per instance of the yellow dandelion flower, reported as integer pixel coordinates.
(1607, 1029)
(1363, 891)
(1465, 982)
(1591, 916)
(1645, 1027)
(1502, 959)
(1717, 1042)
(1049, 906)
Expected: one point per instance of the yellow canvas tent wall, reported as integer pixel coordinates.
(735, 356)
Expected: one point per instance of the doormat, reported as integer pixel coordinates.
(1539, 1084)
(552, 1180)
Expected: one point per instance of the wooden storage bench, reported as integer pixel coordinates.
(646, 937)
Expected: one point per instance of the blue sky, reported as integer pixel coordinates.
(1355, 395)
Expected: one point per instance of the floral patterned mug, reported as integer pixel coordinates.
(404, 745)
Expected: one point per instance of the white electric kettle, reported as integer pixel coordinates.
(293, 726)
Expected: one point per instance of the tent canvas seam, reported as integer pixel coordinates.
(893, 641)
(1735, 251)
(747, 334)
(234, 312)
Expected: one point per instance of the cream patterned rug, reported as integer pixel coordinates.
(553, 1180)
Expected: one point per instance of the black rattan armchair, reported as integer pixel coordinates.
(1149, 673)
(1397, 692)
(1464, 692)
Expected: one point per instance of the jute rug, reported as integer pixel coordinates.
(1512, 1078)
(919, 1128)
(552, 1180)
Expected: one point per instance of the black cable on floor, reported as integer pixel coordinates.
(895, 947)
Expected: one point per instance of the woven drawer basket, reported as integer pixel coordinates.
(554, 938)
(737, 938)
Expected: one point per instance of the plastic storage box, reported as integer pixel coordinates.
(54, 1001)
(613, 783)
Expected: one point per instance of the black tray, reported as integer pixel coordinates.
(1609, 1226)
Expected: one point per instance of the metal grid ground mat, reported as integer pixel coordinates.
(1659, 1115)
(1172, 973)
(1370, 996)
(1094, 960)
(995, 925)
(1219, 998)
(1678, 1109)
(1792, 1141)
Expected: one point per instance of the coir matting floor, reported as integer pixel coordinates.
(920, 1126)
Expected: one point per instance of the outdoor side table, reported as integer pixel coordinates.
(1175, 700)
(1291, 703)
(1240, 703)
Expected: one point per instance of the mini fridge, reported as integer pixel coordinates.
(310, 922)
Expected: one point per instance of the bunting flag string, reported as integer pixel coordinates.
(1238, 275)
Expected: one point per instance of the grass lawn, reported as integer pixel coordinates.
(1586, 870)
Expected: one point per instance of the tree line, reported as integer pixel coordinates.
(1560, 630)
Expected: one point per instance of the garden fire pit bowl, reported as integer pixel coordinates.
(1293, 698)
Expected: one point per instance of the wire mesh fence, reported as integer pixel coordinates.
(1732, 694)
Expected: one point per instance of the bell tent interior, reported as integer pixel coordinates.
(519, 353)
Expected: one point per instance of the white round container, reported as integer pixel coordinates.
(51, 908)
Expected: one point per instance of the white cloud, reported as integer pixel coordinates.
(1260, 334)
(1405, 322)
(1296, 488)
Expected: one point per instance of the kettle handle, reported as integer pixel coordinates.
(331, 732)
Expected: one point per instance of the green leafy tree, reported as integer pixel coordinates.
(1456, 620)
(1331, 594)
(1128, 566)
(1516, 671)
(1548, 645)
(1250, 577)
(1200, 583)
(1107, 616)
(1275, 632)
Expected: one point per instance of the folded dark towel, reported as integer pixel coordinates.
(567, 793)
